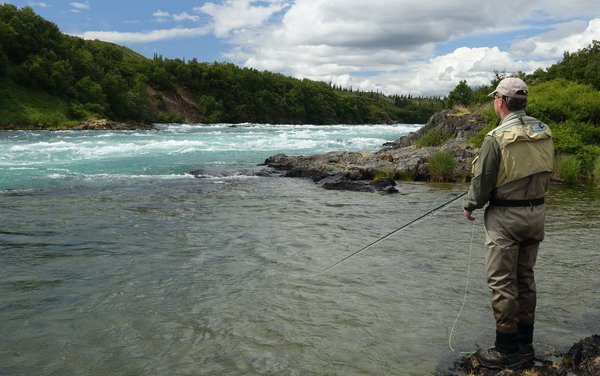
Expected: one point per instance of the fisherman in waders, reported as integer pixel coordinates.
(512, 174)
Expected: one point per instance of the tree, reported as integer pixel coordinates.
(461, 95)
(90, 94)
(62, 77)
(582, 66)
(27, 34)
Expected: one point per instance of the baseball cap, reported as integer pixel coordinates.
(511, 87)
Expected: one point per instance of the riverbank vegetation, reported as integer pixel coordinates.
(55, 80)
(566, 96)
(441, 166)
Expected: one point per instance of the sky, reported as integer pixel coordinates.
(417, 47)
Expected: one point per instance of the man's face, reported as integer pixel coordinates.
(497, 103)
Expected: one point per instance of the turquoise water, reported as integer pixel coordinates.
(115, 261)
(30, 160)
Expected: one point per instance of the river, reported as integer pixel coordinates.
(115, 261)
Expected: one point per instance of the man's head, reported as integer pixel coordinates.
(513, 91)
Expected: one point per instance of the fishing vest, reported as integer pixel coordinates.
(526, 148)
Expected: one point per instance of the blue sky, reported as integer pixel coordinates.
(414, 47)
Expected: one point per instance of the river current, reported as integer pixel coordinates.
(115, 261)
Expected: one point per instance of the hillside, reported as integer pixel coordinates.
(55, 80)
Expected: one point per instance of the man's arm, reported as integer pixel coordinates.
(485, 177)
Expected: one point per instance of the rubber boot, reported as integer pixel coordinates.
(525, 340)
(505, 355)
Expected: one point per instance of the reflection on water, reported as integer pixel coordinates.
(197, 276)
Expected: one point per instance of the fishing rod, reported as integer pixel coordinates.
(391, 233)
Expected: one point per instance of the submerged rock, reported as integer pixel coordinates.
(339, 183)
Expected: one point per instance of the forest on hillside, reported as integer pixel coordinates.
(50, 78)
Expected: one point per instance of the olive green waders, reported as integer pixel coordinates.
(513, 235)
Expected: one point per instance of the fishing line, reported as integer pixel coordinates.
(469, 353)
(439, 208)
(466, 292)
(432, 211)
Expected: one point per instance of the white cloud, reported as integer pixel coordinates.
(38, 4)
(570, 36)
(162, 16)
(391, 44)
(160, 13)
(79, 6)
(395, 24)
(567, 9)
(144, 37)
(441, 74)
(184, 16)
(239, 14)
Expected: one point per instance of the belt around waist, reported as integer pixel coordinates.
(517, 203)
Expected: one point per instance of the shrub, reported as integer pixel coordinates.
(568, 168)
(566, 138)
(587, 156)
(434, 137)
(561, 100)
(477, 140)
(490, 116)
(491, 119)
(597, 170)
(441, 166)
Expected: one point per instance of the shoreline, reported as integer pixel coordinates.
(582, 359)
(399, 160)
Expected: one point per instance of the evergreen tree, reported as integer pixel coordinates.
(461, 95)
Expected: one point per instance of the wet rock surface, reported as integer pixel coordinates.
(399, 160)
(582, 359)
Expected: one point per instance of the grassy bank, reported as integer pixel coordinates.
(27, 108)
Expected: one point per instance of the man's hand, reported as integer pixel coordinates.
(469, 215)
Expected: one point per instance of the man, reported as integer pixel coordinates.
(512, 173)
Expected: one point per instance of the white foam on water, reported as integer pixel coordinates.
(74, 155)
(56, 176)
(95, 177)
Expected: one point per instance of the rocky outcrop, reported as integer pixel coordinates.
(460, 122)
(582, 359)
(178, 103)
(399, 160)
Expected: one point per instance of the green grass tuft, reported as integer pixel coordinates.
(441, 166)
(434, 137)
(568, 168)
